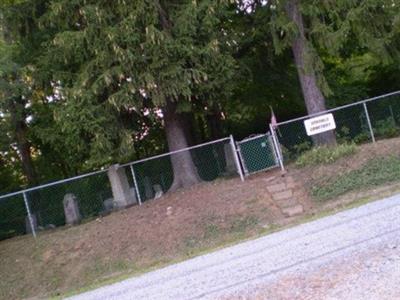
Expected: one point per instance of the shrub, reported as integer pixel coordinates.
(302, 147)
(343, 135)
(362, 137)
(386, 128)
(325, 155)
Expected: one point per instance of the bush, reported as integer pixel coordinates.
(325, 155)
(386, 128)
(302, 147)
(343, 135)
(362, 137)
(375, 172)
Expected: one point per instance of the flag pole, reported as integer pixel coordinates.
(272, 127)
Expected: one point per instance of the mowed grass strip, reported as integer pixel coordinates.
(375, 172)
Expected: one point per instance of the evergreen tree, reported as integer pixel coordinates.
(312, 28)
(16, 51)
(129, 55)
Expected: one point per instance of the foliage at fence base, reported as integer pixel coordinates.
(386, 129)
(325, 155)
(374, 173)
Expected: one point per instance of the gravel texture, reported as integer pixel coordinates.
(354, 254)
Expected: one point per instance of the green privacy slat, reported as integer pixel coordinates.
(211, 162)
(352, 125)
(257, 154)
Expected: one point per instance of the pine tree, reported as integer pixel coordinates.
(132, 54)
(16, 27)
(314, 28)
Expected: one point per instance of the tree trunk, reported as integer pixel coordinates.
(313, 97)
(214, 123)
(23, 145)
(188, 124)
(16, 107)
(185, 172)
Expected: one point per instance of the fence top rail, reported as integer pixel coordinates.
(339, 108)
(51, 184)
(174, 152)
(105, 170)
(254, 137)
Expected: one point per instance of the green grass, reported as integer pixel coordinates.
(325, 155)
(214, 233)
(243, 224)
(374, 173)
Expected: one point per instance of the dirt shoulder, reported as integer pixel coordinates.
(177, 226)
(139, 238)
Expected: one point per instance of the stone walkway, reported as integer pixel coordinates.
(288, 195)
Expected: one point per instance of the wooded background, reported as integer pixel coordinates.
(86, 83)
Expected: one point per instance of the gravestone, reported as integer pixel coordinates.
(28, 226)
(108, 204)
(158, 191)
(148, 188)
(122, 194)
(230, 159)
(132, 190)
(71, 209)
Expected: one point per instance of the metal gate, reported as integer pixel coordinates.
(257, 154)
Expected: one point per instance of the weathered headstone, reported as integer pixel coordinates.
(133, 192)
(71, 209)
(158, 191)
(148, 188)
(28, 226)
(120, 187)
(50, 226)
(108, 204)
(230, 159)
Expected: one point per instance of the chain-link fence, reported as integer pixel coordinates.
(45, 207)
(360, 122)
(257, 153)
(12, 216)
(154, 176)
(42, 207)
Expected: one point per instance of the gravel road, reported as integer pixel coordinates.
(354, 254)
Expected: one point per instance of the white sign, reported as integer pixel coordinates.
(320, 124)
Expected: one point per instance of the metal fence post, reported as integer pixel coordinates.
(239, 152)
(271, 143)
(136, 185)
(277, 147)
(369, 122)
(28, 210)
(392, 114)
(235, 155)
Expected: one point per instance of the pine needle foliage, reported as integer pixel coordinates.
(113, 57)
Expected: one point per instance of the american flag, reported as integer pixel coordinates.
(273, 118)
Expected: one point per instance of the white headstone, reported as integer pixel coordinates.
(71, 209)
(148, 188)
(158, 191)
(120, 187)
(108, 204)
